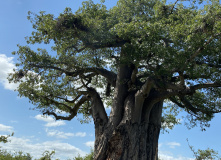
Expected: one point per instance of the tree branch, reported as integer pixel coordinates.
(51, 101)
(173, 7)
(66, 100)
(205, 85)
(109, 75)
(98, 45)
(121, 91)
(209, 64)
(185, 91)
(140, 96)
(185, 76)
(187, 105)
(200, 49)
(73, 111)
(98, 111)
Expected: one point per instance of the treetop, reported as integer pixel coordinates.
(172, 47)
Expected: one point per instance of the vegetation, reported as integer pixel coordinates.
(87, 157)
(208, 154)
(4, 139)
(134, 57)
(4, 155)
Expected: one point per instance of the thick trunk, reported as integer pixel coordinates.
(130, 141)
(132, 130)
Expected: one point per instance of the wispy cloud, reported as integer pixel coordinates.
(173, 144)
(80, 134)
(13, 121)
(6, 66)
(4, 128)
(90, 144)
(63, 135)
(50, 121)
(62, 150)
(169, 156)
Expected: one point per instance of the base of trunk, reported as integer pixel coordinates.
(129, 142)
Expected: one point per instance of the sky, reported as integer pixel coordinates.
(33, 133)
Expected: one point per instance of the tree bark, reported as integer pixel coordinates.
(128, 140)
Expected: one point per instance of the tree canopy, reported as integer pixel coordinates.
(171, 48)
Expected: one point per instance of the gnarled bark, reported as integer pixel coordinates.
(130, 141)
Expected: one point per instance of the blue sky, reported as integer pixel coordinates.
(34, 133)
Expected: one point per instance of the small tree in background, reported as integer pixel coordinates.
(4, 139)
(208, 154)
(89, 156)
(133, 57)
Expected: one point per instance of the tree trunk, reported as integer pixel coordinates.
(129, 141)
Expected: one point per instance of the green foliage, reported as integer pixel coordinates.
(87, 157)
(176, 45)
(207, 154)
(47, 155)
(169, 119)
(4, 155)
(4, 139)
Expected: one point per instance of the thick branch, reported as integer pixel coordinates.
(66, 100)
(176, 102)
(73, 111)
(121, 92)
(205, 85)
(186, 91)
(70, 117)
(140, 96)
(51, 101)
(187, 105)
(111, 76)
(98, 112)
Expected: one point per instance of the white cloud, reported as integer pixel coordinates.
(63, 135)
(50, 121)
(6, 67)
(62, 150)
(58, 134)
(4, 128)
(169, 156)
(90, 144)
(80, 134)
(166, 157)
(173, 144)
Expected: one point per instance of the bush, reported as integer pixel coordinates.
(5, 155)
(87, 157)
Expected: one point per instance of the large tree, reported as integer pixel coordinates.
(133, 57)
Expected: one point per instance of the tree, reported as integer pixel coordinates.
(87, 157)
(4, 139)
(133, 57)
(4, 155)
(204, 154)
